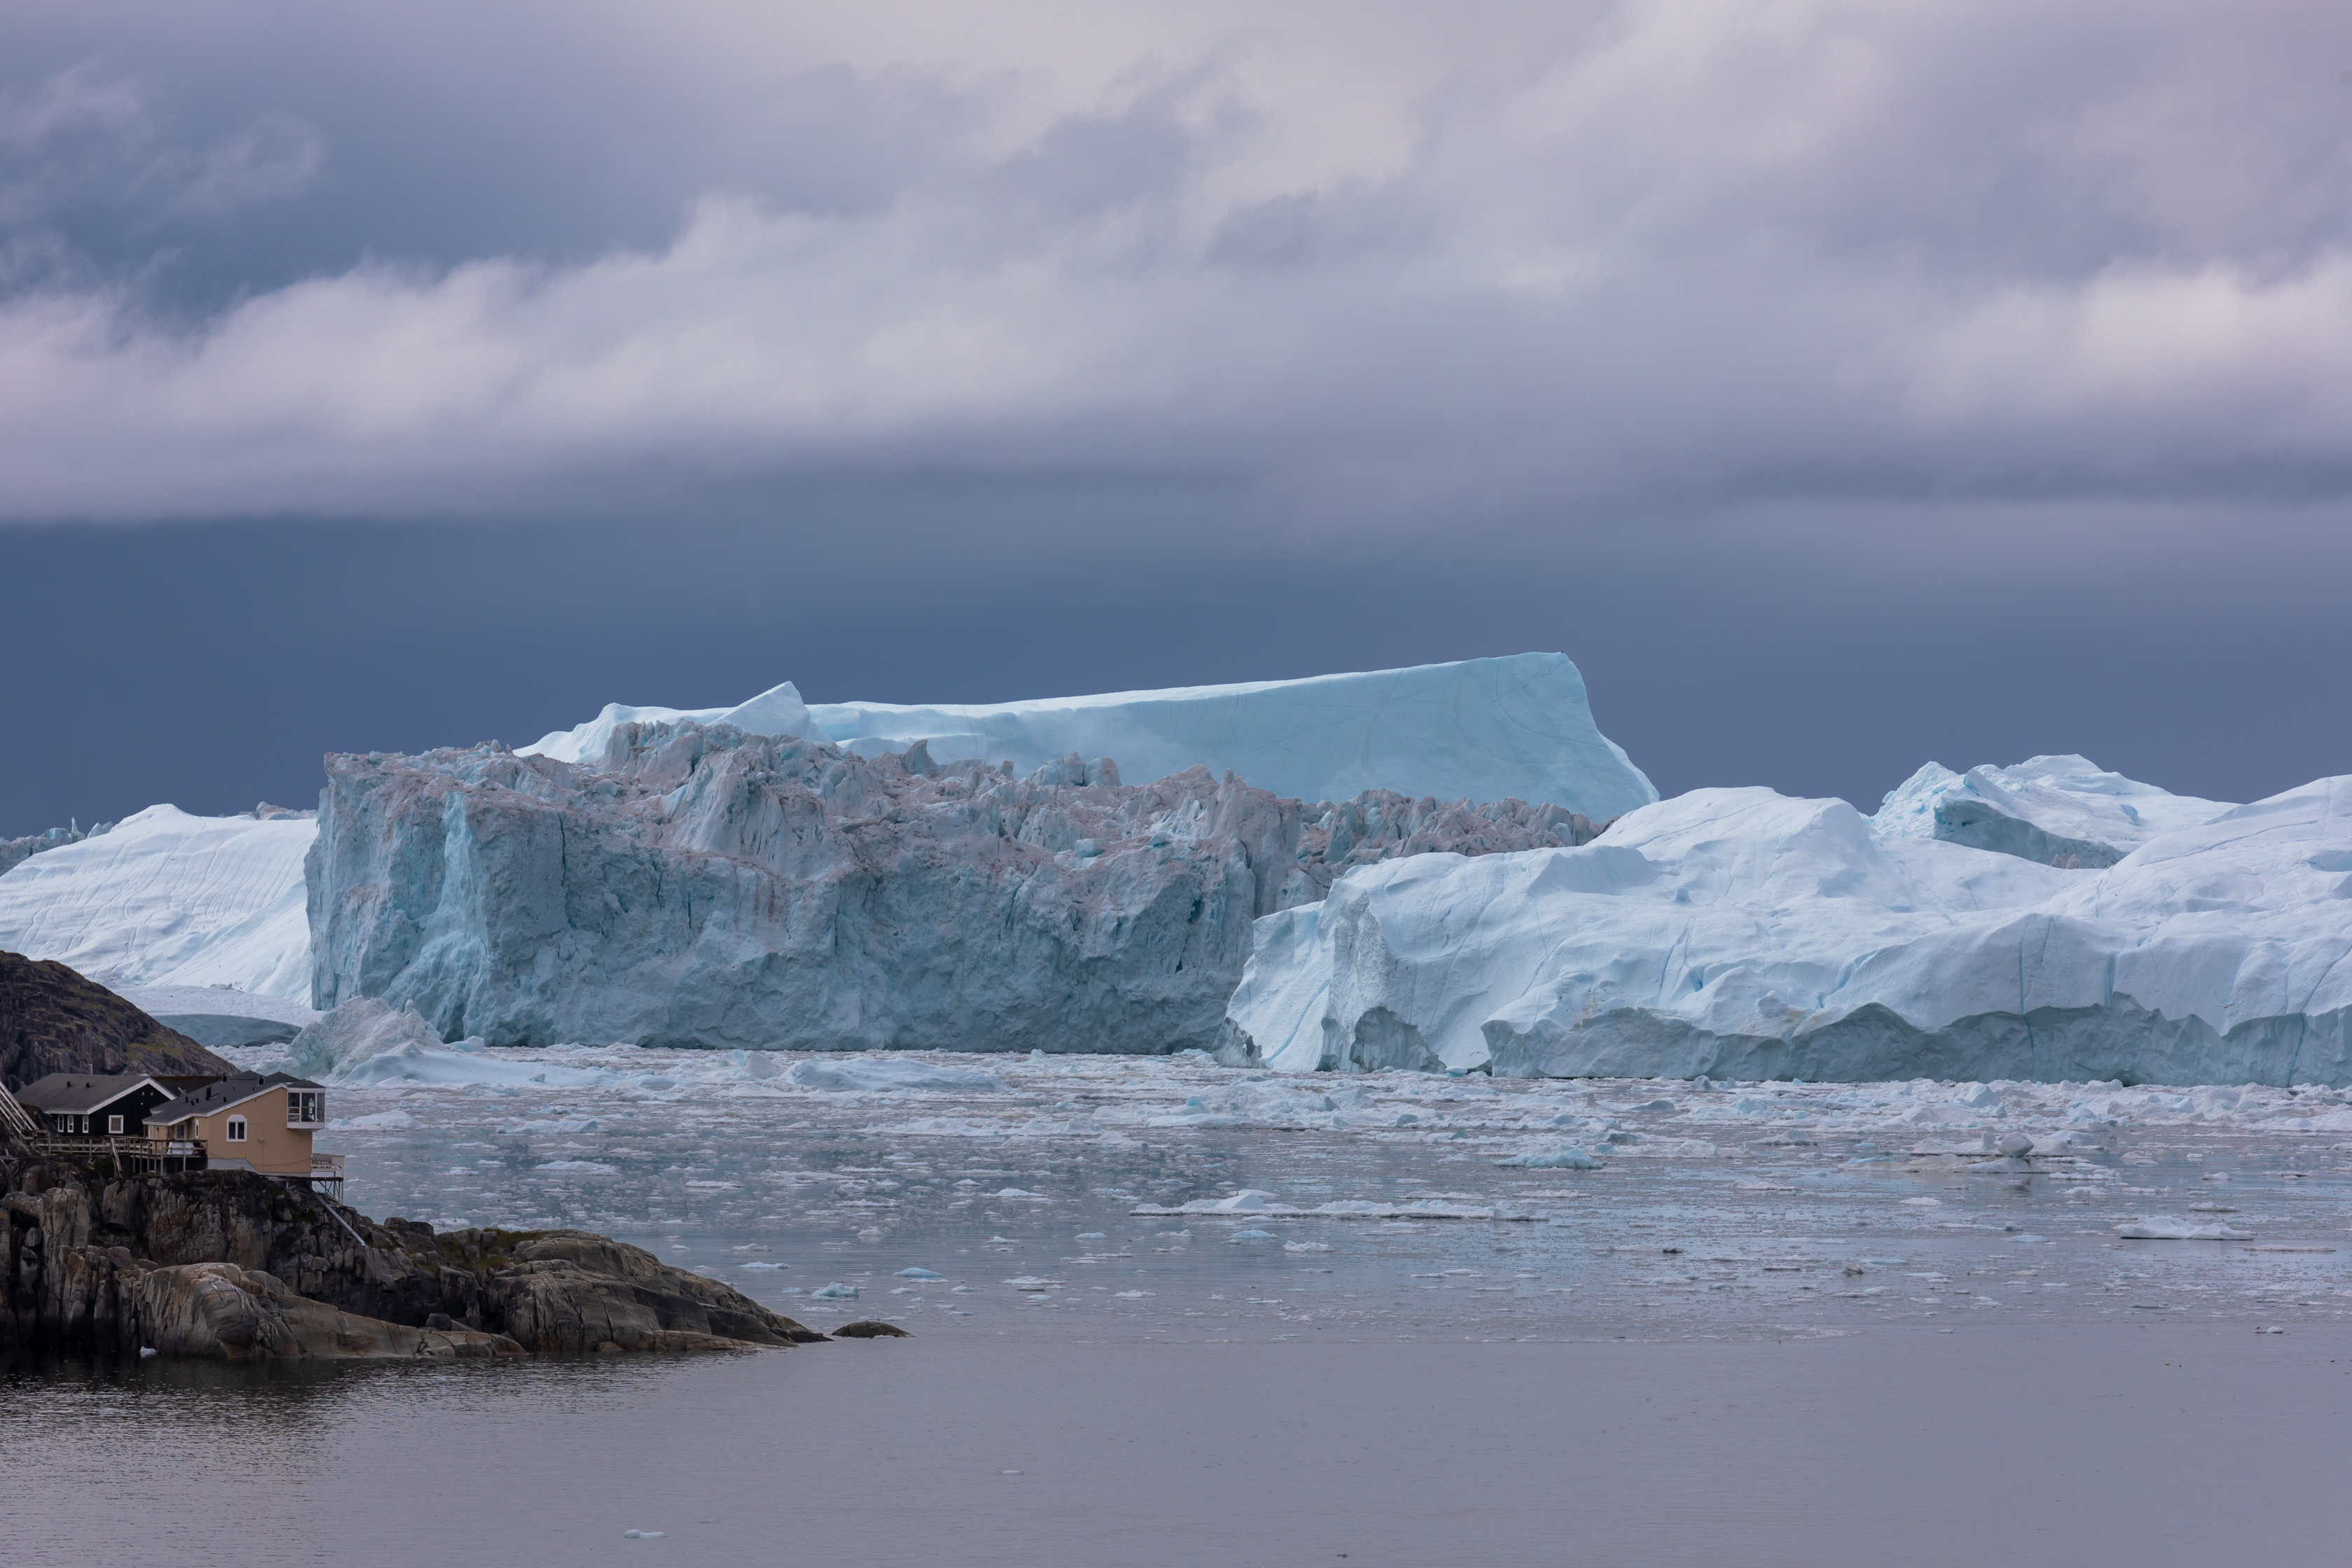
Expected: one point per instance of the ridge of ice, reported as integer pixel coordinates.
(776, 712)
(1485, 729)
(2060, 810)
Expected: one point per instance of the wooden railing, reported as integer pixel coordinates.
(127, 1154)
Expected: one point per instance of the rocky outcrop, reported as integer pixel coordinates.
(228, 1263)
(54, 1020)
(694, 885)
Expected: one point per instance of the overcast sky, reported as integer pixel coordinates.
(1839, 384)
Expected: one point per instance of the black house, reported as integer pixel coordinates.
(78, 1103)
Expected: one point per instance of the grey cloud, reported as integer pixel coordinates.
(1669, 259)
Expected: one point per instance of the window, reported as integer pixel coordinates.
(114, 1124)
(305, 1106)
(237, 1129)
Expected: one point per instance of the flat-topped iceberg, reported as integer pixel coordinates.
(2062, 811)
(1739, 934)
(1483, 729)
(167, 898)
(697, 885)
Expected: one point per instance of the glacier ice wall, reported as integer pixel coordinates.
(167, 898)
(1483, 729)
(2064, 811)
(1739, 934)
(694, 885)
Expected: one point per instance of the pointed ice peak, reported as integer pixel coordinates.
(2061, 810)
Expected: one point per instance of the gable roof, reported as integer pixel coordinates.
(220, 1095)
(79, 1093)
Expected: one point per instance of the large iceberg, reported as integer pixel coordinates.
(2063, 811)
(1740, 933)
(170, 899)
(694, 885)
(1482, 730)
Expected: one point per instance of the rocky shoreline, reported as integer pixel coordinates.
(232, 1265)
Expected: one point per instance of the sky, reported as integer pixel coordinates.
(1840, 385)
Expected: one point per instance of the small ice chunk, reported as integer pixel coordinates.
(2164, 1228)
(1924, 1203)
(837, 1291)
(867, 1076)
(1564, 1158)
(919, 1274)
(1250, 1235)
(643, 1534)
(1248, 1200)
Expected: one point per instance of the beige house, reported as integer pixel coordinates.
(251, 1123)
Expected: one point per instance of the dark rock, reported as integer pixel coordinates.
(871, 1328)
(228, 1263)
(53, 1020)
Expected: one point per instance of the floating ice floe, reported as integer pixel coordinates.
(2164, 1228)
(1340, 1209)
(837, 1291)
(1551, 1160)
(883, 1074)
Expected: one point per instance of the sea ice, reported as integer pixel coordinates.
(1551, 1160)
(2164, 1228)
(868, 1075)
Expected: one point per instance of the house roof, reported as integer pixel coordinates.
(79, 1093)
(223, 1094)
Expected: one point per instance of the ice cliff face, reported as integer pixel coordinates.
(167, 898)
(2060, 810)
(1484, 730)
(1739, 934)
(696, 885)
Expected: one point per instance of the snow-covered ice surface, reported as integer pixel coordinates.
(1486, 730)
(1169, 1198)
(1740, 932)
(171, 899)
(2060, 810)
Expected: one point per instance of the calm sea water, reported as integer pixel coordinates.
(1764, 1332)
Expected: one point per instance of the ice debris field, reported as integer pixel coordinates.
(1168, 1197)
